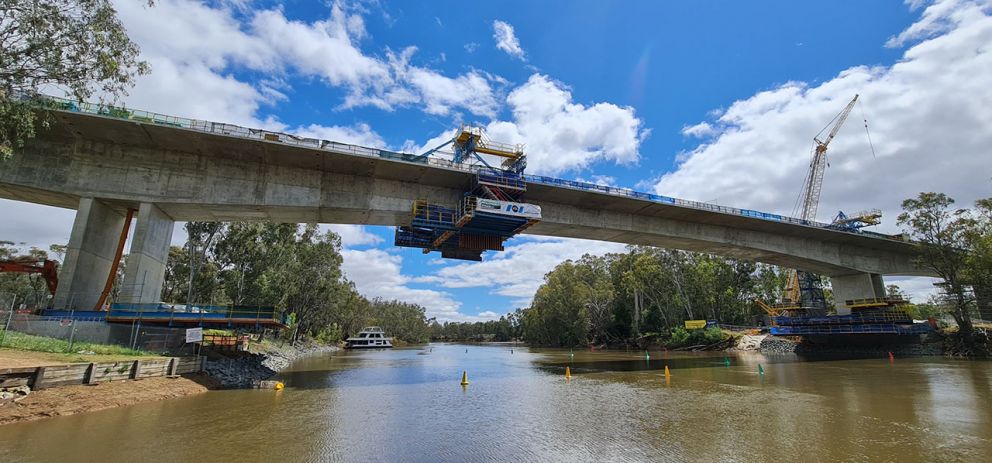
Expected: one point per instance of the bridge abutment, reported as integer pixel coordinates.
(89, 255)
(146, 261)
(857, 286)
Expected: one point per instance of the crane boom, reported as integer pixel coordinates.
(803, 288)
(810, 198)
(840, 118)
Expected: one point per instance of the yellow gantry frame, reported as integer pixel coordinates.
(488, 147)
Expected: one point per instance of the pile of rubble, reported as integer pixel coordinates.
(778, 345)
(13, 394)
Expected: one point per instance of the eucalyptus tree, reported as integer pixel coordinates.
(978, 262)
(76, 47)
(943, 237)
(199, 238)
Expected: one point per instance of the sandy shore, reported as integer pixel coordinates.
(69, 400)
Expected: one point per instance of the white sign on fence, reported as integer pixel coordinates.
(194, 335)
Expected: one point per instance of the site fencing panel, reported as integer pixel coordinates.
(74, 331)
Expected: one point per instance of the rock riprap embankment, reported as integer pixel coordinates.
(248, 369)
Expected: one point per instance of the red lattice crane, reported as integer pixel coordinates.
(48, 269)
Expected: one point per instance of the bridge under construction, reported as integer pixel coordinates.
(463, 199)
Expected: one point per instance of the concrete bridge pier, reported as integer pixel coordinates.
(89, 255)
(856, 286)
(145, 271)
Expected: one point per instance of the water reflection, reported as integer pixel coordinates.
(406, 405)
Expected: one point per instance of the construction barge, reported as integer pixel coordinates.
(871, 321)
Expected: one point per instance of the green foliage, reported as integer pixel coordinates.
(682, 337)
(507, 328)
(28, 289)
(78, 46)
(619, 297)
(925, 311)
(218, 332)
(573, 307)
(956, 244)
(17, 340)
(329, 334)
(295, 268)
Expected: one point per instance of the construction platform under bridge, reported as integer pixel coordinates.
(490, 212)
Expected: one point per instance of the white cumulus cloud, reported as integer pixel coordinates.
(561, 135)
(518, 271)
(353, 235)
(195, 49)
(377, 273)
(506, 40)
(359, 134)
(928, 114)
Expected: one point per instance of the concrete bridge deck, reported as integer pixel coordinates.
(174, 169)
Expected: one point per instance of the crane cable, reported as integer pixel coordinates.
(863, 117)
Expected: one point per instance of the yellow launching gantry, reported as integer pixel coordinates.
(469, 143)
(472, 140)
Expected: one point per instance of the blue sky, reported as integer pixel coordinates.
(710, 101)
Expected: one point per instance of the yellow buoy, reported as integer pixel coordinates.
(568, 373)
(279, 386)
(668, 374)
(464, 378)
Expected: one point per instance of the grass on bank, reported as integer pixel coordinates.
(21, 341)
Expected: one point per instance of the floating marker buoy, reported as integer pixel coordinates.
(466, 351)
(892, 358)
(668, 374)
(279, 386)
(647, 356)
(568, 373)
(726, 361)
(761, 371)
(464, 378)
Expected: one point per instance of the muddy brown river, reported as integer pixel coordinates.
(407, 405)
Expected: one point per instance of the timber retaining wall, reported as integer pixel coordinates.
(93, 373)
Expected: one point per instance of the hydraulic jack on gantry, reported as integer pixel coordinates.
(491, 210)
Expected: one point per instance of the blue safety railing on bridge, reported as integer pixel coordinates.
(183, 313)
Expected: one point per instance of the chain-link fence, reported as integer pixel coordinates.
(77, 330)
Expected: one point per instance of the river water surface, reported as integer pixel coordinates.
(407, 405)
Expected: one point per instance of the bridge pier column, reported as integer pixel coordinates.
(857, 286)
(145, 270)
(89, 255)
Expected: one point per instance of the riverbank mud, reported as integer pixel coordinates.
(222, 371)
(69, 400)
